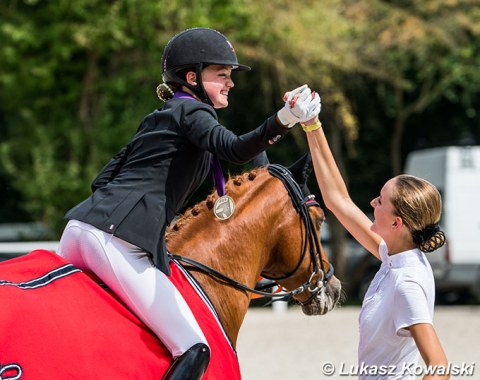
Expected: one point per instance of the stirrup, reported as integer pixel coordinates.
(191, 365)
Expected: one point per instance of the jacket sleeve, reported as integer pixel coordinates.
(110, 170)
(203, 129)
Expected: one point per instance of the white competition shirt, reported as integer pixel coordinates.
(401, 294)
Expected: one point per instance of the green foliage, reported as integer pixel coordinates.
(77, 77)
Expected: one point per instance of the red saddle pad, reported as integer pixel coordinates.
(57, 323)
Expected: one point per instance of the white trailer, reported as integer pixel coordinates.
(455, 171)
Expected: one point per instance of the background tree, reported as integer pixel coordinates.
(425, 54)
(77, 77)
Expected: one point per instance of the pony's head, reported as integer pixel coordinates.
(300, 258)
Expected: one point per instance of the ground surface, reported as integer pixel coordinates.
(289, 345)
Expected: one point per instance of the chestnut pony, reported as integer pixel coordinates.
(266, 236)
(56, 322)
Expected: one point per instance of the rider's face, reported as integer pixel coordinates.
(217, 82)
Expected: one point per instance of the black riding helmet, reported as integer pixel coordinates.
(197, 48)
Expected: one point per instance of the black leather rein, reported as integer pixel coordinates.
(319, 276)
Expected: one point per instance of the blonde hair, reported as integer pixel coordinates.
(419, 204)
(166, 91)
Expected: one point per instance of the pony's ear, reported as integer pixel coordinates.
(300, 170)
(260, 160)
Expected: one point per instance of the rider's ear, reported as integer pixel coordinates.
(300, 170)
(191, 78)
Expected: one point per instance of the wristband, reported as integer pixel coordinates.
(312, 127)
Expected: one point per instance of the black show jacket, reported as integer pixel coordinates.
(150, 180)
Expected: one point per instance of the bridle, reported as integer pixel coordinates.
(302, 204)
(319, 277)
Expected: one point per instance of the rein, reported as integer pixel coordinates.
(301, 205)
(234, 283)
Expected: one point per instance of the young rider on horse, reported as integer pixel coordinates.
(118, 231)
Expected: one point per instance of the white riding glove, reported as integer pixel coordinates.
(309, 108)
(313, 108)
(297, 106)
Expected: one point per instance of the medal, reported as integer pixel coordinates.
(224, 207)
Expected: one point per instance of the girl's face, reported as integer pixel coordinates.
(217, 82)
(383, 210)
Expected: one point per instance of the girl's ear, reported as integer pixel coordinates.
(191, 78)
(397, 224)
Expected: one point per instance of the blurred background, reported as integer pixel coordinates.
(397, 78)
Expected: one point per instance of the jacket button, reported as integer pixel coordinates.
(274, 139)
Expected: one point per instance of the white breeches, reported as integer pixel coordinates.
(127, 270)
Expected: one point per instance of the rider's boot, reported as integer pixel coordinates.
(191, 365)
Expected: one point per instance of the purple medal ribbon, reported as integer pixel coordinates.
(217, 176)
(183, 95)
(215, 168)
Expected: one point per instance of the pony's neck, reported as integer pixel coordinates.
(239, 247)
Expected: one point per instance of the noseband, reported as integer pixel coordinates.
(319, 277)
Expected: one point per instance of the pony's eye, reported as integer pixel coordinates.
(321, 220)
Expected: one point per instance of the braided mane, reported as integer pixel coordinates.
(234, 187)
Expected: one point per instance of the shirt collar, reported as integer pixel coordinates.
(406, 258)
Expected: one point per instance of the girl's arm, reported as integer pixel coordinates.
(430, 348)
(335, 193)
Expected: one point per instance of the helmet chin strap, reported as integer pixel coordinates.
(198, 89)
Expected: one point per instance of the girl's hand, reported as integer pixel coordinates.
(301, 105)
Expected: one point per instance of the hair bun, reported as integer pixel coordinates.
(429, 239)
(164, 92)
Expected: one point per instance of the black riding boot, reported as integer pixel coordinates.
(191, 365)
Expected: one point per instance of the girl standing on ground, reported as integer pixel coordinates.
(396, 318)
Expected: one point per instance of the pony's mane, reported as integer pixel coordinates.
(234, 187)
